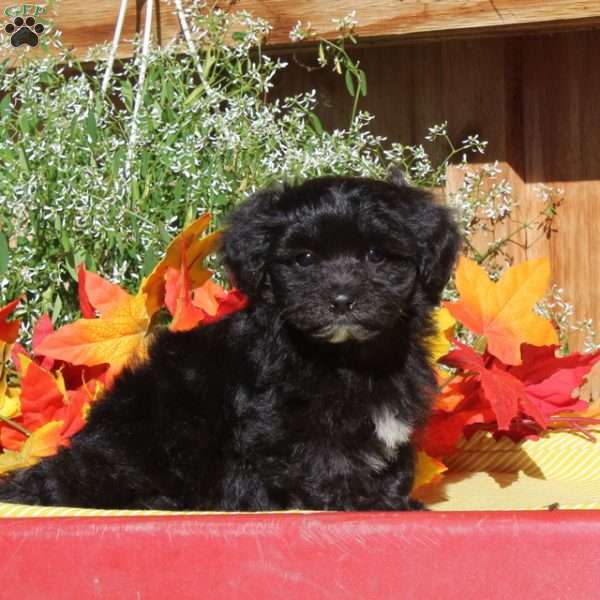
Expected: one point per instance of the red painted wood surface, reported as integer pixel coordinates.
(366, 556)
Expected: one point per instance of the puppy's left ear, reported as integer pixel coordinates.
(439, 244)
(247, 243)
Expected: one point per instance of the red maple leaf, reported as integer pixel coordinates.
(9, 331)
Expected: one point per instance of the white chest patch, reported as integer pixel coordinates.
(391, 430)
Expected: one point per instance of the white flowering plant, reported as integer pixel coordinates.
(77, 186)
(73, 190)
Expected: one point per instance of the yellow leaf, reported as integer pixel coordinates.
(9, 461)
(10, 406)
(503, 311)
(439, 344)
(41, 443)
(427, 469)
(196, 250)
(24, 362)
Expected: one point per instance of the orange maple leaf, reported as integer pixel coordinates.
(208, 297)
(179, 301)
(114, 338)
(503, 311)
(195, 250)
(97, 294)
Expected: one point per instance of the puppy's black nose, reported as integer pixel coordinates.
(341, 304)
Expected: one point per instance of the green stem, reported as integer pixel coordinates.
(503, 241)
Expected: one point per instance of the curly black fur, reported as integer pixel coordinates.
(307, 398)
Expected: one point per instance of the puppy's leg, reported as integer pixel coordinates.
(397, 483)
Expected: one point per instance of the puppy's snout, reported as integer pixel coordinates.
(341, 303)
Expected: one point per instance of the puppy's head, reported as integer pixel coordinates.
(341, 258)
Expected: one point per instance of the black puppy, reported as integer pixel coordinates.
(305, 399)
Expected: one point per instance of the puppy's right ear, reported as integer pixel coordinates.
(247, 243)
(396, 176)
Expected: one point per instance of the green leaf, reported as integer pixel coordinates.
(362, 82)
(5, 104)
(189, 216)
(195, 93)
(23, 162)
(66, 242)
(322, 58)
(207, 65)
(3, 253)
(315, 122)
(127, 91)
(135, 190)
(57, 308)
(349, 82)
(91, 126)
(149, 262)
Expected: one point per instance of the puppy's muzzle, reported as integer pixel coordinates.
(337, 333)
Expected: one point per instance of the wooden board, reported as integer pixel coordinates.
(86, 24)
(421, 18)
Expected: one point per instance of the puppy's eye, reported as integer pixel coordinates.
(305, 259)
(375, 256)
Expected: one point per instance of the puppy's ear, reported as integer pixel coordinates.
(247, 243)
(396, 176)
(439, 244)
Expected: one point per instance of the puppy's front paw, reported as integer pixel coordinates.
(412, 504)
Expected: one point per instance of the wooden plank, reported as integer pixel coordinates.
(562, 129)
(385, 18)
(85, 25)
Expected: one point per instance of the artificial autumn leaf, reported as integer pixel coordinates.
(40, 444)
(10, 405)
(9, 331)
(42, 396)
(439, 344)
(445, 430)
(231, 302)
(195, 251)
(97, 294)
(74, 413)
(11, 438)
(427, 469)
(178, 299)
(454, 393)
(503, 311)
(44, 441)
(554, 394)
(114, 338)
(42, 329)
(504, 392)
